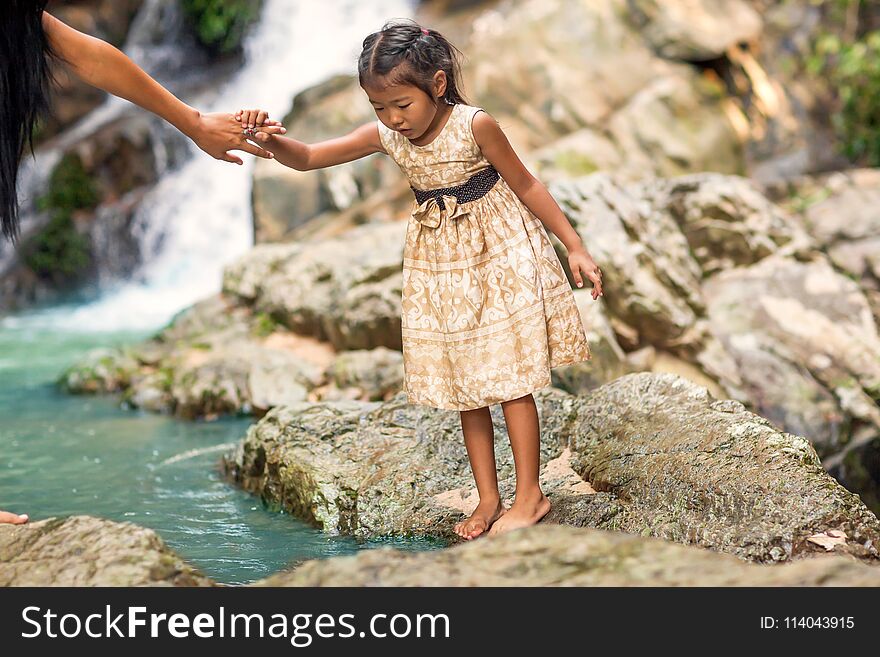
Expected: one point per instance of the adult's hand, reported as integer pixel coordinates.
(219, 132)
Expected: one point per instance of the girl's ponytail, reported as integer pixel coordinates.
(404, 52)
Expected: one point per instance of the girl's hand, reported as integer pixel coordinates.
(219, 133)
(254, 118)
(257, 122)
(580, 261)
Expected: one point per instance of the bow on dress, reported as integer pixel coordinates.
(429, 213)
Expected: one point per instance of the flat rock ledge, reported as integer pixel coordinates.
(553, 555)
(647, 454)
(88, 551)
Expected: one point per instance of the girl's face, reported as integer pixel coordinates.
(406, 108)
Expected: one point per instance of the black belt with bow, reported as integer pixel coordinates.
(434, 203)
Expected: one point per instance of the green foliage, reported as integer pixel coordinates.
(858, 83)
(264, 325)
(850, 63)
(70, 187)
(220, 24)
(59, 253)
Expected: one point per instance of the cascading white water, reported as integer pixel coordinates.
(198, 218)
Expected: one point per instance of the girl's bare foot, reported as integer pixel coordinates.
(481, 519)
(522, 513)
(12, 518)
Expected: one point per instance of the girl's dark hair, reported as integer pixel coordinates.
(403, 52)
(24, 95)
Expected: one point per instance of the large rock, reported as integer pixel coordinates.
(88, 551)
(692, 469)
(378, 372)
(377, 469)
(840, 212)
(547, 555)
(695, 29)
(805, 324)
(651, 277)
(343, 290)
(726, 220)
(808, 353)
(214, 358)
(657, 239)
(666, 458)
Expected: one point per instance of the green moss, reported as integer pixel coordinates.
(264, 325)
(166, 378)
(70, 187)
(574, 163)
(59, 253)
(220, 25)
(801, 202)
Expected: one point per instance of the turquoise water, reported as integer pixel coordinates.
(62, 455)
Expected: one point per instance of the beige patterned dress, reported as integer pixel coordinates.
(487, 309)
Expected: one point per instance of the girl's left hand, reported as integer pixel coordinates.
(580, 261)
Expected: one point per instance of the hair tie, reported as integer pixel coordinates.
(424, 31)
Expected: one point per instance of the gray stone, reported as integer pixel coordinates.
(548, 555)
(88, 551)
(695, 29)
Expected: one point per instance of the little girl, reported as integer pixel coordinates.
(487, 310)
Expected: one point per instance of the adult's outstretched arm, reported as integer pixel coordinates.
(102, 65)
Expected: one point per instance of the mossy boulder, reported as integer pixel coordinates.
(648, 454)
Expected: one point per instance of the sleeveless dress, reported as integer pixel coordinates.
(486, 308)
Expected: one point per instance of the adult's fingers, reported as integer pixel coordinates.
(229, 157)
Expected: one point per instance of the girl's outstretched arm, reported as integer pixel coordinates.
(102, 65)
(534, 195)
(358, 143)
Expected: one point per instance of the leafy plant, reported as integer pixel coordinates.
(850, 62)
(220, 25)
(59, 252)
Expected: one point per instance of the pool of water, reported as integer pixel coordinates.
(63, 455)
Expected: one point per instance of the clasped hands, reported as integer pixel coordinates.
(219, 133)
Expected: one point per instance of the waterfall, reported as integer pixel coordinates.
(198, 218)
